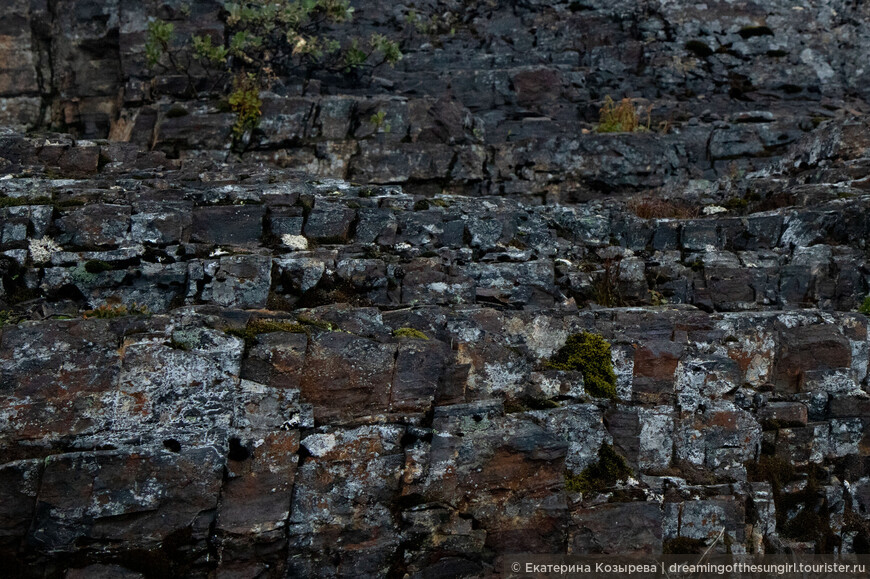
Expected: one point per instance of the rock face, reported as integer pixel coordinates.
(328, 355)
(490, 97)
(373, 398)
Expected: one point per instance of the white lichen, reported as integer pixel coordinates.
(41, 250)
(294, 242)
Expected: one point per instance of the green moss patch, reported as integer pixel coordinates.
(107, 311)
(263, 326)
(588, 353)
(609, 470)
(514, 405)
(410, 333)
(19, 201)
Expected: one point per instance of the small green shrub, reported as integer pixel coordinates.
(260, 326)
(266, 40)
(157, 41)
(865, 306)
(590, 354)
(410, 333)
(599, 476)
(379, 122)
(245, 102)
(205, 50)
(735, 203)
(621, 118)
(434, 24)
(513, 405)
(656, 298)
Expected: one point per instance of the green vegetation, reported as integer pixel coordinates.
(5, 318)
(107, 311)
(259, 326)
(656, 298)
(204, 50)
(735, 203)
(379, 122)
(245, 102)
(434, 24)
(604, 474)
(19, 201)
(264, 40)
(865, 306)
(621, 118)
(589, 353)
(514, 405)
(157, 42)
(319, 324)
(410, 333)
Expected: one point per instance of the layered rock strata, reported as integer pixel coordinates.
(235, 370)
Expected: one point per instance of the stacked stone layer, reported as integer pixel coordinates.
(273, 413)
(326, 354)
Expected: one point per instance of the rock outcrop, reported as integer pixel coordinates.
(491, 98)
(284, 376)
(328, 352)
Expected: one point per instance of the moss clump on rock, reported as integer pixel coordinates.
(609, 470)
(259, 326)
(19, 201)
(410, 333)
(588, 353)
(106, 311)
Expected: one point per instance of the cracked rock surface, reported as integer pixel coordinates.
(328, 356)
(373, 398)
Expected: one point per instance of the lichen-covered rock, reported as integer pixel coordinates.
(227, 225)
(616, 529)
(126, 498)
(59, 381)
(240, 281)
(356, 380)
(341, 522)
(346, 377)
